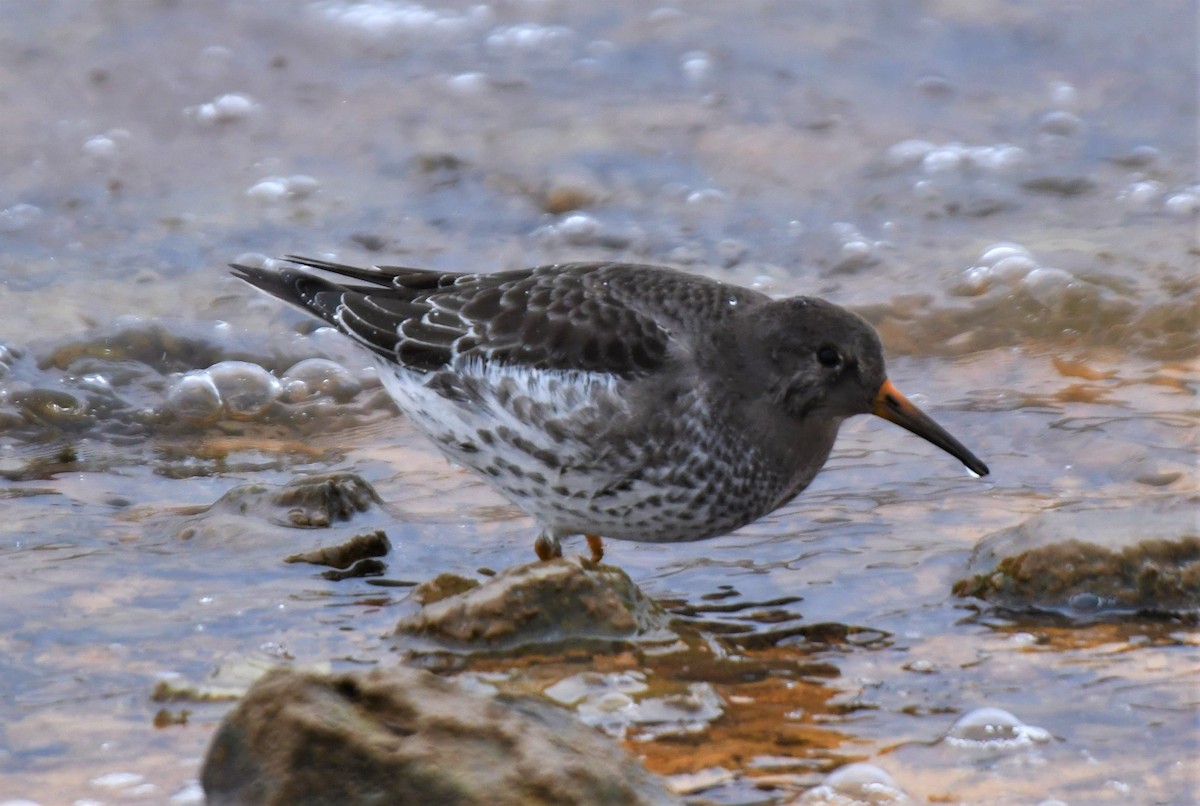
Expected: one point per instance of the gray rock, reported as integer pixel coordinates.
(1138, 557)
(404, 736)
(547, 604)
(305, 502)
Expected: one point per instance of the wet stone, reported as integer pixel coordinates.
(344, 555)
(403, 735)
(1142, 557)
(317, 501)
(307, 502)
(543, 605)
(441, 587)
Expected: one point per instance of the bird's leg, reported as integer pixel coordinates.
(596, 544)
(547, 546)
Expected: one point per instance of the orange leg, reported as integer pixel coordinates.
(547, 547)
(596, 544)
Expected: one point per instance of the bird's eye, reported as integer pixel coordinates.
(828, 356)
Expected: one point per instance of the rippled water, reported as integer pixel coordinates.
(1007, 190)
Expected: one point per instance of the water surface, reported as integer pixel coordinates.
(1008, 190)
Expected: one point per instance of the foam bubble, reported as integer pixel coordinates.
(20, 216)
(101, 146)
(994, 729)
(117, 780)
(529, 37)
(944, 158)
(1047, 285)
(579, 228)
(908, 153)
(469, 83)
(224, 109)
(696, 65)
(857, 783)
(246, 389)
(1063, 95)
(999, 251)
(1062, 124)
(1140, 195)
(1184, 203)
(278, 188)
(707, 198)
(319, 377)
(382, 20)
(195, 398)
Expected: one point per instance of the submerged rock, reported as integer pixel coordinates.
(345, 555)
(400, 735)
(305, 502)
(1140, 557)
(542, 604)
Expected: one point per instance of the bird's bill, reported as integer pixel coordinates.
(895, 407)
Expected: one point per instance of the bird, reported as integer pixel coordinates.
(608, 399)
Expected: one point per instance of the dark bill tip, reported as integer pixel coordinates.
(895, 407)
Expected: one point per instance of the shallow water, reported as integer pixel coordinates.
(1009, 191)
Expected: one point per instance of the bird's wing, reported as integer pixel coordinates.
(585, 317)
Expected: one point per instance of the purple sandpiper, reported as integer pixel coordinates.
(611, 399)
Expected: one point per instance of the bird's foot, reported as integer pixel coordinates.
(547, 547)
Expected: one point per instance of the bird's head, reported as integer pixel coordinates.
(822, 361)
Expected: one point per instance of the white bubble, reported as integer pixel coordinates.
(696, 66)
(579, 228)
(273, 188)
(994, 729)
(314, 377)
(1185, 203)
(117, 780)
(225, 109)
(707, 197)
(529, 37)
(1047, 285)
(857, 783)
(1063, 124)
(195, 398)
(1139, 195)
(387, 20)
(100, 146)
(1014, 268)
(1063, 95)
(278, 188)
(856, 254)
(944, 158)
(246, 389)
(999, 251)
(19, 216)
(907, 153)
(976, 280)
(997, 158)
(469, 83)
(926, 190)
